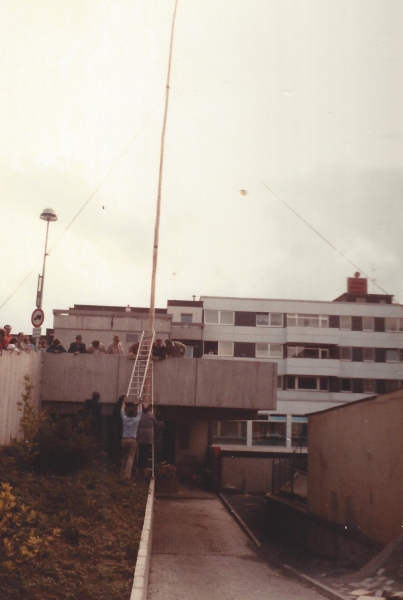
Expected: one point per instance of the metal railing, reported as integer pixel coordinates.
(289, 477)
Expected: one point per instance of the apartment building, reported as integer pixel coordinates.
(328, 353)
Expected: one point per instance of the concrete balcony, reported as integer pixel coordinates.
(186, 388)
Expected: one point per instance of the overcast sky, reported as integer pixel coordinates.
(301, 96)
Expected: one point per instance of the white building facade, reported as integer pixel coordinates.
(328, 353)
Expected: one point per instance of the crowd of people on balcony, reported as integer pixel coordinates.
(22, 343)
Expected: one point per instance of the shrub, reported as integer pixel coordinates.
(62, 448)
(18, 542)
(59, 446)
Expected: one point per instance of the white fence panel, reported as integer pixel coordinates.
(13, 367)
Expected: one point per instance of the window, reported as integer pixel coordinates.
(211, 316)
(345, 385)
(186, 318)
(269, 350)
(269, 319)
(262, 320)
(299, 320)
(131, 338)
(210, 348)
(368, 354)
(225, 348)
(271, 433)
(189, 352)
(279, 382)
(299, 432)
(276, 320)
(229, 432)
(392, 355)
(368, 323)
(302, 352)
(303, 382)
(369, 386)
(393, 324)
(219, 317)
(345, 353)
(345, 323)
(307, 383)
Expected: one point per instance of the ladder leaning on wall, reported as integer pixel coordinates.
(140, 385)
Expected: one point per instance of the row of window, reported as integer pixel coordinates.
(279, 351)
(337, 384)
(264, 433)
(343, 322)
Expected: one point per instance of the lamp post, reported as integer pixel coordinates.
(48, 214)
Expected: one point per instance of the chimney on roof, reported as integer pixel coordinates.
(357, 284)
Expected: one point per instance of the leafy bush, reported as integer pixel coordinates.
(18, 542)
(61, 448)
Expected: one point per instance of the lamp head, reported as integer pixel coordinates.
(48, 214)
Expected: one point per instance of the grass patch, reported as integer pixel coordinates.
(68, 537)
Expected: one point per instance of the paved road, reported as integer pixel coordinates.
(201, 553)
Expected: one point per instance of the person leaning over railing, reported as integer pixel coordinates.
(3, 341)
(175, 349)
(96, 348)
(56, 347)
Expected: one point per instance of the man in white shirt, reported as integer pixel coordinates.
(116, 346)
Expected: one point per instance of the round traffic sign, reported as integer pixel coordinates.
(37, 317)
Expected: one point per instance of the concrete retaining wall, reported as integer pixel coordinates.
(294, 524)
(13, 367)
(253, 475)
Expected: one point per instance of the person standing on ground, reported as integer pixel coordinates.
(129, 443)
(145, 438)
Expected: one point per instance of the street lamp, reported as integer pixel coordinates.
(48, 214)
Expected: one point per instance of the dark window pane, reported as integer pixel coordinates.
(210, 347)
(358, 387)
(299, 435)
(245, 319)
(245, 349)
(324, 384)
(334, 321)
(345, 385)
(307, 383)
(379, 324)
(268, 434)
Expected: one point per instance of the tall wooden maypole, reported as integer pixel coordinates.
(151, 321)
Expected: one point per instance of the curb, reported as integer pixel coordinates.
(240, 521)
(142, 570)
(290, 571)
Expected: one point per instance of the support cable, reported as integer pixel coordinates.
(87, 201)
